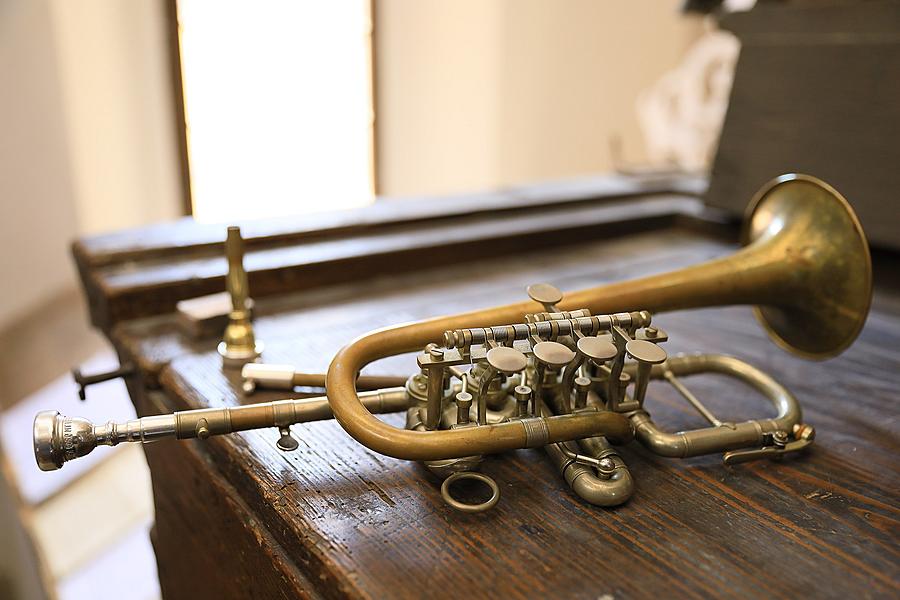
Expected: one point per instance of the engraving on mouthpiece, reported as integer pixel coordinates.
(68, 440)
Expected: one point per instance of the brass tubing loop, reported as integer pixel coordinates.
(571, 379)
(725, 436)
(806, 266)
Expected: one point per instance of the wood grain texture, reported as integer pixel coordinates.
(143, 272)
(155, 286)
(357, 524)
(176, 238)
(259, 567)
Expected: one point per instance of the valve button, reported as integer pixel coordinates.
(645, 352)
(597, 349)
(545, 294)
(553, 354)
(506, 360)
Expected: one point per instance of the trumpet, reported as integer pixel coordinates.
(570, 373)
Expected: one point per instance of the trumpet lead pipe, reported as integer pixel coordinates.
(59, 439)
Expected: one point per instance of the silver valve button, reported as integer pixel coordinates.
(547, 295)
(506, 360)
(553, 354)
(645, 352)
(501, 359)
(597, 349)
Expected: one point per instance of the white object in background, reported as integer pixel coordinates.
(682, 114)
(72, 524)
(107, 400)
(129, 565)
(94, 512)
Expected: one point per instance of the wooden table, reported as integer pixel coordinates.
(237, 518)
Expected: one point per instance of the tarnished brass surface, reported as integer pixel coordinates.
(809, 223)
(59, 439)
(571, 379)
(803, 239)
(239, 345)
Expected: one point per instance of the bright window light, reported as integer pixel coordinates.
(278, 104)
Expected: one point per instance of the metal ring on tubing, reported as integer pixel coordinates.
(470, 508)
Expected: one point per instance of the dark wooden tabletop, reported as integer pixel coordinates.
(334, 519)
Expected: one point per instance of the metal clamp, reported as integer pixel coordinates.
(781, 445)
(84, 381)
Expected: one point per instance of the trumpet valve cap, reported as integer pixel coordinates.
(506, 360)
(645, 352)
(598, 349)
(553, 354)
(544, 293)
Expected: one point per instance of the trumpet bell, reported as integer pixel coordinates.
(826, 276)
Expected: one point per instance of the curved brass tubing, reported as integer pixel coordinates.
(585, 483)
(730, 436)
(808, 265)
(588, 483)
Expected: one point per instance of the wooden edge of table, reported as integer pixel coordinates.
(166, 239)
(154, 284)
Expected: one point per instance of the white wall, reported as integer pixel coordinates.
(474, 94)
(87, 137)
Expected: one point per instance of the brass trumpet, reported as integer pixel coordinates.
(572, 378)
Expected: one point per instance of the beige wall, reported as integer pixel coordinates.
(118, 106)
(87, 139)
(471, 95)
(36, 194)
(474, 94)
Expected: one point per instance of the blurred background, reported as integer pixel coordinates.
(120, 114)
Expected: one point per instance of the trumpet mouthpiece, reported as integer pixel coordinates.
(58, 439)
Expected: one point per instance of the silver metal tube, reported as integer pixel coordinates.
(568, 379)
(271, 376)
(285, 377)
(435, 395)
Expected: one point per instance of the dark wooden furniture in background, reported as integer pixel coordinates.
(237, 518)
(816, 90)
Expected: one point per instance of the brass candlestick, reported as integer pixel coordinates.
(238, 345)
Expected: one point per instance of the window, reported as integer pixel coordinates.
(278, 106)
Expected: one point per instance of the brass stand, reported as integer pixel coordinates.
(238, 345)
